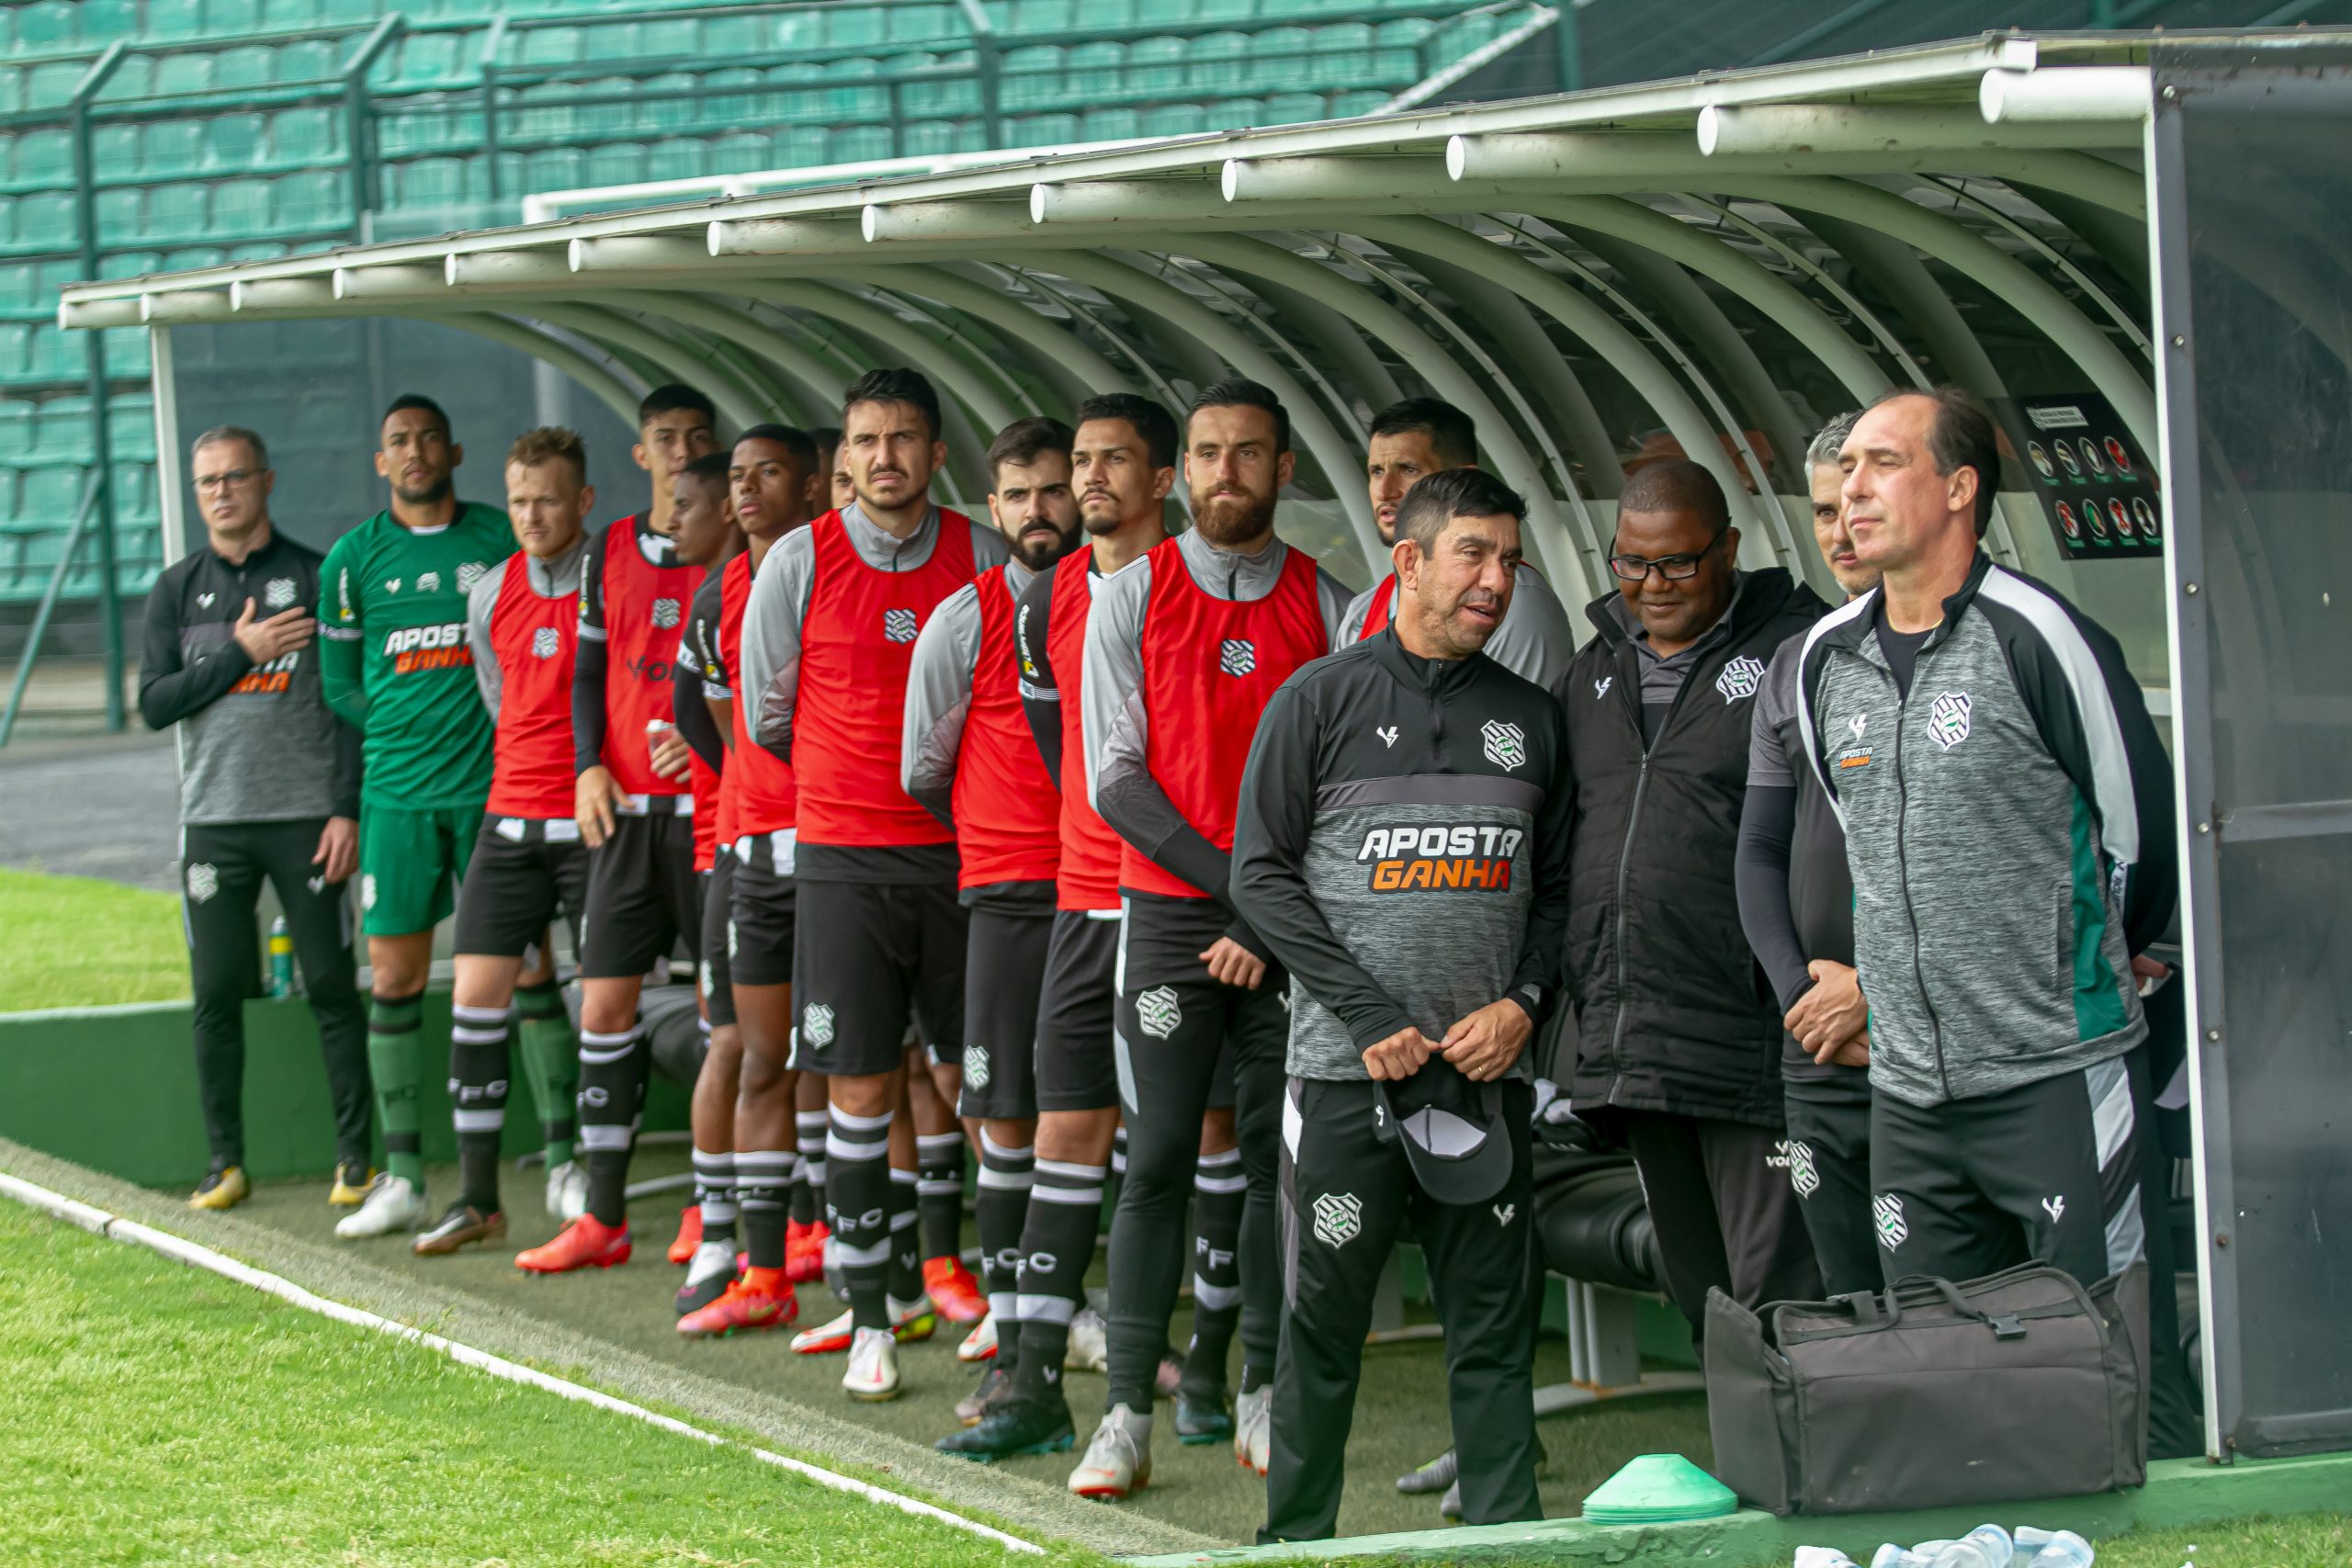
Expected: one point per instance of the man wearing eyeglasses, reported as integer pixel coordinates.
(1678, 1041)
(269, 788)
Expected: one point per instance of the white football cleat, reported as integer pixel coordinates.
(873, 1373)
(980, 1344)
(567, 1192)
(1088, 1342)
(1118, 1457)
(1253, 1429)
(392, 1205)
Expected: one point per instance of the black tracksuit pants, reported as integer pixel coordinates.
(1828, 1153)
(1718, 1194)
(222, 868)
(1348, 1195)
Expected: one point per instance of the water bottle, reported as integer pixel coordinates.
(1823, 1557)
(2029, 1540)
(1895, 1555)
(2062, 1548)
(281, 959)
(1986, 1546)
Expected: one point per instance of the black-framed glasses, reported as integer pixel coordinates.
(1674, 569)
(235, 478)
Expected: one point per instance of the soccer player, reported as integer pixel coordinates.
(395, 662)
(828, 636)
(636, 811)
(1123, 467)
(772, 481)
(706, 535)
(1411, 441)
(527, 864)
(269, 787)
(968, 757)
(1181, 654)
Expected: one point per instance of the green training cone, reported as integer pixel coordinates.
(1657, 1488)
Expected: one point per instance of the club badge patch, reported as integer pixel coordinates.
(1804, 1176)
(367, 891)
(1857, 755)
(1237, 656)
(1947, 719)
(900, 625)
(545, 643)
(428, 582)
(280, 594)
(975, 1066)
(1601, 687)
(1740, 678)
(1339, 1218)
(469, 574)
(1156, 1011)
(1506, 743)
(817, 1025)
(1886, 1212)
(666, 614)
(203, 882)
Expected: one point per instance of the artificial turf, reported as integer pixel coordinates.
(151, 1413)
(77, 941)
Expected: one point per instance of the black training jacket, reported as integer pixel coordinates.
(1402, 847)
(1672, 1014)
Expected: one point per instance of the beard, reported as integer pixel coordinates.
(1228, 521)
(437, 491)
(1035, 552)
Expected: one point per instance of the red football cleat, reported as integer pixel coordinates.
(689, 1237)
(804, 1250)
(952, 1289)
(586, 1243)
(748, 1303)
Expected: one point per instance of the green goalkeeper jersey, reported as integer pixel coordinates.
(394, 659)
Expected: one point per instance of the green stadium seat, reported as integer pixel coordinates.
(1278, 59)
(617, 164)
(802, 146)
(955, 95)
(134, 502)
(1346, 105)
(553, 123)
(231, 18)
(1217, 62)
(308, 59)
(130, 264)
(52, 495)
(1233, 114)
(125, 349)
(671, 101)
(730, 97)
(130, 426)
(425, 182)
(346, 13)
(52, 86)
(680, 158)
(120, 216)
(1155, 67)
(618, 40)
(1043, 17)
(286, 15)
(259, 249)
(174, 19)
(1398, 49)
(559, 168)
(44, 158)
(858, 144)
(251, 66)
(46, 219)
(61, 432)
(234, 141)
(796, 31)
(306, 136)
(312, 203)
(926, 138)
(1033, 77)
(176, 212)
(134, 78)
(177, 73)
(17, 293)
(1224, 10)
(916, 24)
(1110, 125)
(429, 57)
(16, 350)
(16, 433)
(1342, 55)
(1094, 72)
(851, 26)
(1043, 130)
(1294, 109)
(552, 46)
(1174, 120)
(191, 257)
(103, 21)
(57, 355)
(846, 102)
(743, 152)
(52, 24)
(114, 151)
(723, 37)
(172, 147)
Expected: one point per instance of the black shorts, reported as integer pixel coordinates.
(1004, 975)
(517, 881)
(761, 912)
(717, 980)
(642, 900)
(869, 960)
(1076, 1005)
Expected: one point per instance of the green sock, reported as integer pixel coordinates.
(395, 1060)
(551, 1062)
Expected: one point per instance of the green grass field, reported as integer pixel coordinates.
(76, 941)
(151, 1412)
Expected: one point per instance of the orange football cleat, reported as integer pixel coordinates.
(586, 1243)
(689, 1237)
(952, 1289)
(750, 1303)
(804, 1250)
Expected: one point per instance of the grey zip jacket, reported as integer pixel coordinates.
(2009, 825)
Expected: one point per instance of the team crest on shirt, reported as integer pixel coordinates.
(203, 882)
(367, 891)
(1947, 719)
(1237, 656)
(1156, 1011)
(1740, 678)
(280, 594)
(1506, 744)
(1886, 1212)
(666, 614)
(900, 625)
(428, 582)
(546, 642)
(469, 574)
(1804, 1176)
(817, 1025)
(392, 584)
(975, 1066)
(1339, 1218)
(1601, 687)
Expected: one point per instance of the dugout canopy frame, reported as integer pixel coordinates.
(2135, 243)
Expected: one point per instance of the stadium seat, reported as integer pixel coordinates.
(618, 40)
(1279, 58)
(170, 147)
(176, 212)
(1294, 109)
(541, 123)
(308, 59)
(1110, 125)
(741, 153)
(61, 431)
(286, 15)
(125, 350)
(552, 46)
(424, 182)
(1155, 67)
(799, 147)
(851, 26)
(559, 168)
(1032, 78)
(919, 24)
(130, 426)
(241, 206)
(672, 101)
(617, 164)
(130, 264)
(724, 38)
(134, 78)
(51, 495)
(1094, 72)
(52, 24)
(114, 152)
(429, 57)
(680, 158)
(44, 158)
(233, 141)
(15, 434)
(1343, 54)
(312, 203)
(119, 215)
(1041, 17)
(253, 66)
(190, 257)
(260, 250)
(860, 143)
(183, 74)
(17, 290)
(52, 86)
(57, 355)
(1174, 120)
(298, 137)
(231, 18)
(16, 344)
(46, 218)
(926, 138)
(1217, 62)
(134, 504)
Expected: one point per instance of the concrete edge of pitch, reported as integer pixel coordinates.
(1047, 1514)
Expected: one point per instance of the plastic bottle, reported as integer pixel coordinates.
(1823, 1557)
(2064, 1549)
(2029, 1540)
(281, 959)
(1992, 1543)
(1894, 1555)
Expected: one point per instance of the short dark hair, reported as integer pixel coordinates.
(1449, 430)
(1434, 502)
(1962, 436)
(1027, 440)
(1152, 423)
(672, 397)
(224, 433)
(792, 438)
(1674, 484)
(709, 470)
(827, 439)
(894, 384)
(1240, 392)
(550, 444)
(407, 400)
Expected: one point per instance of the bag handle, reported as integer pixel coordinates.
(2005, 1326)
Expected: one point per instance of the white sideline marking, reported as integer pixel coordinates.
(116, 1228)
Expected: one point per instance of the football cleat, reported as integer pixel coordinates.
(392, 1205)
(804, 1250)
(223, 1187)
(1253, 1429)
(1118, 1457)
(352, 1180)
(908, 1320)
(873, 1373)
(1088, 1342)
(586, 1243)
(689, 1237)
(463, 1223)
(743, 1304)
(980, 1344)
(995, 1387)
(1013, 1426)
(715, 1267)
(1201, 1417)
(952, 1289)
(567, 1192)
